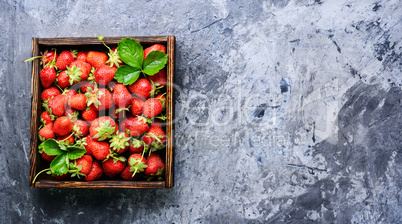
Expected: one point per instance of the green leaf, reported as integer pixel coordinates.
(59, 165)
(75, 152)
(51, 147)
(127, 75)
(155, 61)
(131, 52)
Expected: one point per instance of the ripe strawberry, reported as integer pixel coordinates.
(85, 162)
(56, 105)
(152, 107)
(78, 71)
(104, 74)
(80, 128)
(127, 174)
(89, 115)
(85, 85)
(47, 157)
(118, 113)
(82, 56)
(87, 140)
(136, 146)
(155, 137)
(64, 59)
(60, 177)
(137, 106)
(114, 58)
(120, 142)
(96, 58)
(139, 126)
(137, 163)
(63, 126)
(72, 114)
(78, 101)
(68, 139)
(155, 164)
(46, 118)
(113, 166)
(155, 47)
(141, 88)
(47, 132)
(103, 128)
(101, 99)
(100, 150)
(121, 96)
(47, 76)
(95, 171)
(161, 97)
(49, 92)
(63, 80)
(69, 93)
(126, 123)
(159, 79)
(48, 57)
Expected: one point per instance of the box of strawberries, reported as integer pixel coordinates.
(102, 112)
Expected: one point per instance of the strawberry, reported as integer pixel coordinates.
(81, 56)
(100, 150)
(152, 107)
(47, 76)
(95, 172)
(103, 128)
(64, 59)
(155, 164)
(63, 126)
(47, 132)
(121, 96)
(86, 142)
(60, 177)
(96, 58)
(127, 174)
(81, 166)
(68, 139)
(155, 47)
(104, 74)
(69, 93)
(78, 101)
(47, 157)
(46, 118)
(48, 57)
(126, 124)
(100, 99)
(120, 142)
(142, 88)
(137, 106)
(136, 146)
(114, 166)
(159, 79)
(56, 105)
(85, 85)
(71, 114)
(114, 58)
(139, 126)
(80, 128)
(78, 71)
(155, 137)
(63, 80)
(118, 113)
(137, 163)
(49, 93)
(161, 97)
(89, 115)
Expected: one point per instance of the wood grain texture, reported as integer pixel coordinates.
(99, 184)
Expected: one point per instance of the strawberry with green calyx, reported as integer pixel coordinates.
(47, 132)
(114, 165)
(56, 105)
(64, 59)
(78, 101)
(114, 59)
(83, 67)
(100, 150)
(71, 114)
(141, 88)
(103, 128)
(90, 114)
(67, 140)
(96, 58)
(101, 99)
(73, 74)
(136, 146)
(155, 47)
(63, 126)
(46, 118)
(81, 167)
(155, 137)
(69, 93)
(162, 97)
(152, 107)
(139, 125)
(137, 163)
(49, 93)
(119, 113)
(80, 129)
(156, 166)
(127, 174)
(95, 172)
(46, 58)
(86, 85)
(137, 106)
(63, 80)
(47, 76)
(120, 142)
(104, 74)
(121, 96)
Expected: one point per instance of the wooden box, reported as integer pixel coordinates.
(92, 43)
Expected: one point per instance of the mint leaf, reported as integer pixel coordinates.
(59, 165)
(155, 61)
(127, 75)
(75, 152)
(51, 147)
(131, 52)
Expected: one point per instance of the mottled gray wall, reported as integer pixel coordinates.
(287, 111)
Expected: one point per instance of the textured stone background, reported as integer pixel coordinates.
(287, 111)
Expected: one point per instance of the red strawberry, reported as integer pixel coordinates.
(80, 128)
(69, 93)
(49, 92)
(85, 162)
(48, 57)
(96, 58)
(139, 126)
(104, 74)
(137, 163)
(63, 80)
(159, 79)
(100, 150)
(155, 136)
(121, 96)
(46, 118)
(127, 174)
(63, 126)
(47, 157)
(71, 114)
(47, 132)
(78, 71)
(161, 97)
(126, 124)
(61, 177)
(47, 76)
(137, 106)
(114, 58)
(100, 99)
(120, 142)
(89, 115)
(155, 47)
(56, 105)
(81, 56)
(118, 113)
(78, 101)
(136, 146)
(155, 164)
(152, 107)
(66, 138)
(113, 166)
(103, 128)
(142, 88)
(85, 85)
(87, 140)
(95, 171)
(64, 59)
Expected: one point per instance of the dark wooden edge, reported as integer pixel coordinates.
(99, 184)
(35, 104)
(94, 40)
(169, 113)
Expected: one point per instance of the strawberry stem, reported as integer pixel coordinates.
(33, 58)
(39, 174)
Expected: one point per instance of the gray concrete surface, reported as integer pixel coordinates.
(287, 111)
